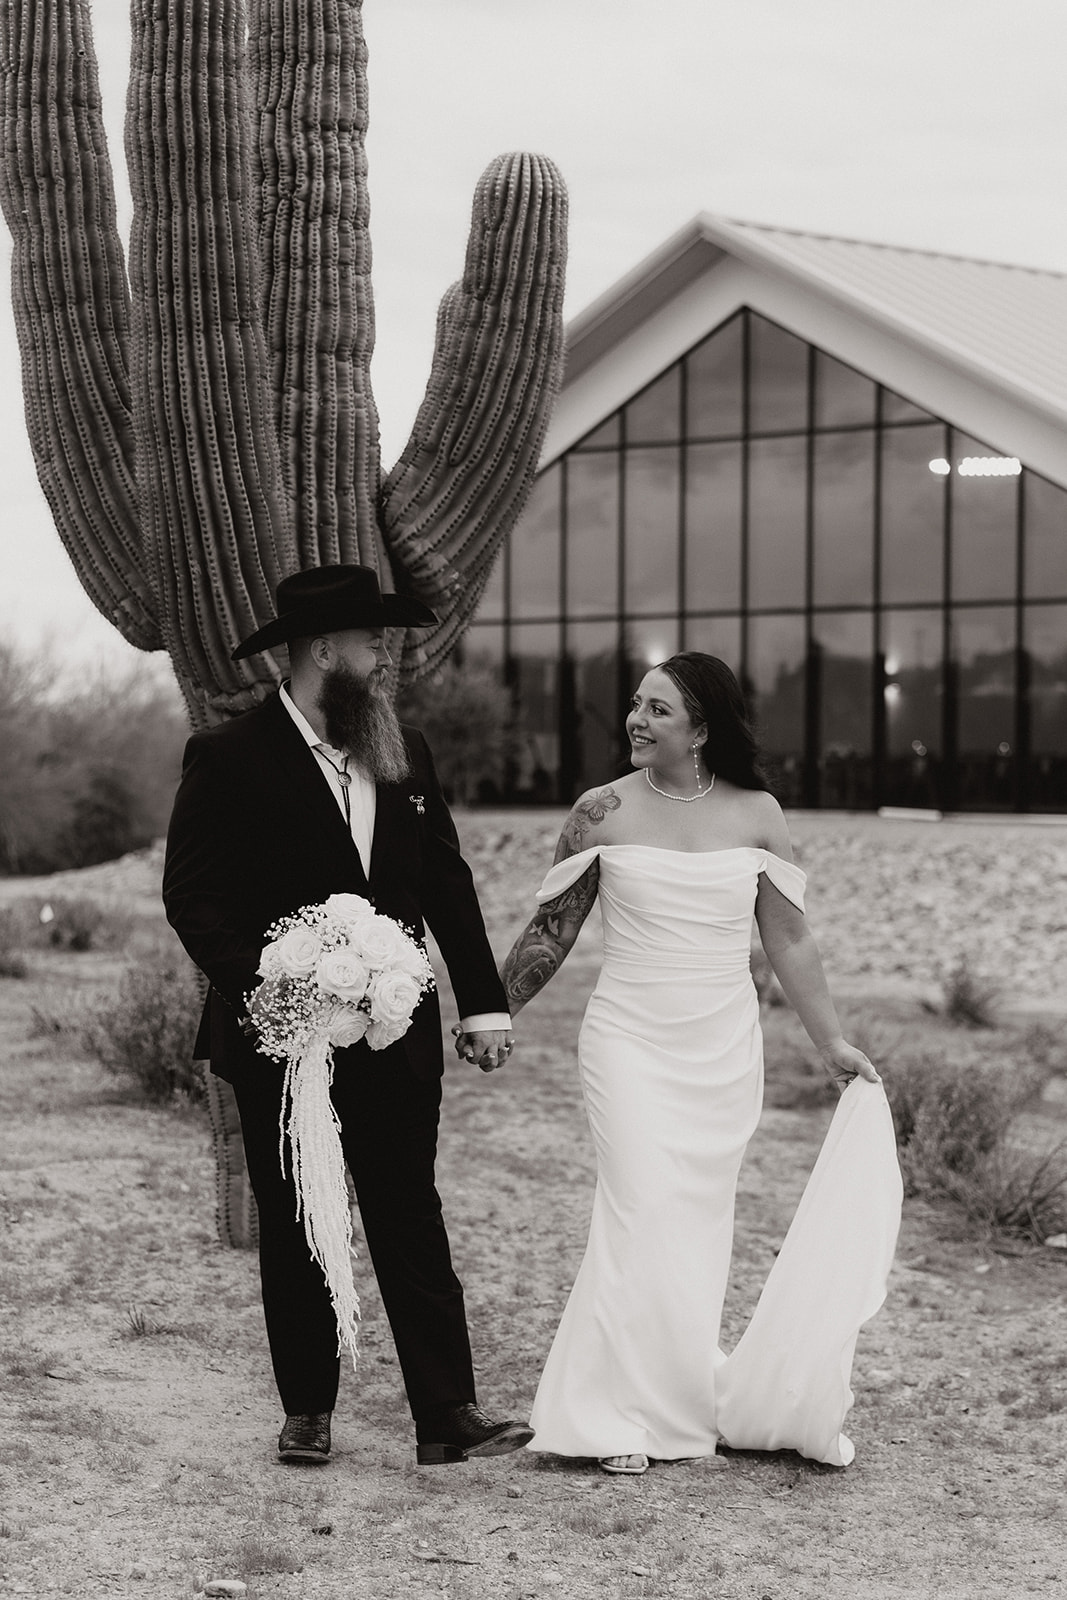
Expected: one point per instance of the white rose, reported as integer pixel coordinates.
(382, 1034)
(341, 973)
(270, 961)
(349, 909)
(347, 1026)
(393, 997)
(380, 942)
(412, 959)
(298, 952)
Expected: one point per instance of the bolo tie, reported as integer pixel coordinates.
(344, 778)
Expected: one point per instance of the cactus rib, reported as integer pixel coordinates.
(464, 476)
(216, 527)
(71, 302)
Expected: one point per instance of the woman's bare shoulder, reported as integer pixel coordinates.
(591, 817)
(769, 820)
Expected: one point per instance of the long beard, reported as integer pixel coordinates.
(362, 722)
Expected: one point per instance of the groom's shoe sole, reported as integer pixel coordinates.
(508, 1437)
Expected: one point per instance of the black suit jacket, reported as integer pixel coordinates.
(256, 833)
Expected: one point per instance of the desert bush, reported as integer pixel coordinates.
(466, 716)
(970, 999)
(957, 1136)
(83, 924)
(145, 1032)
(12, 942)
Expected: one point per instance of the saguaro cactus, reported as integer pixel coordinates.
(212, 426)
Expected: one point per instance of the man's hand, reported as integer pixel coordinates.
(490, 1049)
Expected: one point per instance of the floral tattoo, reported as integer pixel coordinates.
(594, 808)
(542, 946)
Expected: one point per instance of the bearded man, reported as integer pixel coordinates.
(318, 791)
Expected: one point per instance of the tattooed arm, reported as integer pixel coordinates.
(542, 946)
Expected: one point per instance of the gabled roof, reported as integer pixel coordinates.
(1002, 328)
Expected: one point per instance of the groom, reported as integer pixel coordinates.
(318, 791)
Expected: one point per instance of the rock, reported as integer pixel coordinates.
(513, 1493)
(1056, 1241)
(225, 1586)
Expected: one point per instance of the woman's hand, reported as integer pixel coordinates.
(844, 1062)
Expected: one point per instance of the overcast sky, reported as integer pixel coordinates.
(940, 124)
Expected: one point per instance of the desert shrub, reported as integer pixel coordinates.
(955, 1125)
(969, 998)
(466, 716)
(83, 924)
(145, 1032)
(12, 941)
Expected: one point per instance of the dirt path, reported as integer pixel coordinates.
(138, 1413)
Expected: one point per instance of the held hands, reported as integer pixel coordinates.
(490, 1049)
(844, 1062)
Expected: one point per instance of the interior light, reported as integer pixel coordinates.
(892, 693)
(892, 666)
(940, 466)
(990, 467)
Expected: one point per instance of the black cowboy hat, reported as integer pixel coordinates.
(330, 599)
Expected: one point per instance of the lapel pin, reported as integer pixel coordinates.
(417, 802)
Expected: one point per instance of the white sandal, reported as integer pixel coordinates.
(620, 1464)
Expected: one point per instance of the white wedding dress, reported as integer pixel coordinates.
(671, 1062)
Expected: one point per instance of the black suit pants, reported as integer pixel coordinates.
(389, 1119)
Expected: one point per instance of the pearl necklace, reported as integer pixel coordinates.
(686, 799)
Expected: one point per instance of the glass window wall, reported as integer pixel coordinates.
(984, 521)
(653, 494)
(592, 570)
(655, 415)
(843, 670)
(1045, 640)
(1045, 539)
(776, 671)
(592, 663)
(714, 384)
(802, 530)
(912, 642)
(912, 515)
(535, 551)
(843, 397)
(534, 672)
(778, 379)
(716, 636)
(843, 518)
(713, 527)
(777, 517)
(983, 658)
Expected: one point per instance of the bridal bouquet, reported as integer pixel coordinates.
(331, 975)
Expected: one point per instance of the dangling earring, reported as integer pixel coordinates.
(696, 766)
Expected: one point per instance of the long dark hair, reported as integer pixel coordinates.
(712, 695)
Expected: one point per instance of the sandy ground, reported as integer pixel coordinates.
(138, 1412)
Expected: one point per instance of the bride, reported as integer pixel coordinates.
(681, 852)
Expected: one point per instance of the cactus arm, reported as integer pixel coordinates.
(309, 71)
(465, 474)
(71, 302)
(216, 525)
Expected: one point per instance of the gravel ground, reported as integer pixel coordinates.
(894, 904)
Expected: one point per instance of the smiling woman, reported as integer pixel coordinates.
(681, 853)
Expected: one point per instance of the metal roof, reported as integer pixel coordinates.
(1006, 325)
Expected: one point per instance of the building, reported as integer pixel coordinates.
(842, 467)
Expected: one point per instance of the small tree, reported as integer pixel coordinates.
(465, 713)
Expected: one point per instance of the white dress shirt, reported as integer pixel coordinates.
(362, 799)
